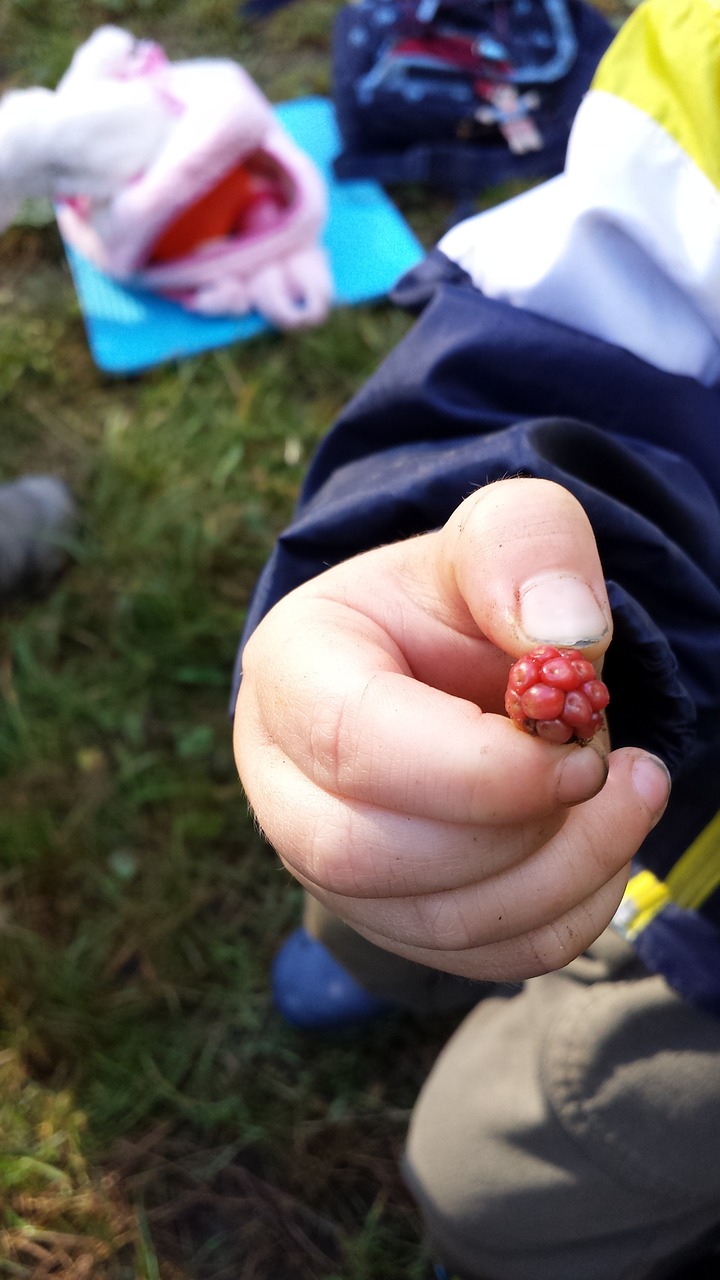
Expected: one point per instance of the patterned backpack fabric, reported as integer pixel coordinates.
(461, 94)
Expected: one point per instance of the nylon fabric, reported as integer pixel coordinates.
(665, 60)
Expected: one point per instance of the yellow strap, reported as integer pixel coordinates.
(697, 874)
(665, 60)
(644, 897)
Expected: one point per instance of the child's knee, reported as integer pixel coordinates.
(553, 1136)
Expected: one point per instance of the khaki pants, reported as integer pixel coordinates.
(569, 1131)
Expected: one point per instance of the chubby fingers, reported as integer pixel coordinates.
(381, 678)
(542, 950)
(536, 915)
(406, 805)
(560, 866)
(342, 706)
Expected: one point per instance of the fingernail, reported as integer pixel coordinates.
(651, 781)
(582, 775)
(562, 610)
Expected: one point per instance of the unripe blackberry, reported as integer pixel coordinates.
(555, 694)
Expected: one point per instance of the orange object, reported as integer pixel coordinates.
(215, 215)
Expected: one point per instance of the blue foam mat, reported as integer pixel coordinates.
(369, 244)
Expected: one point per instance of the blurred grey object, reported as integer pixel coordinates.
(38, 520)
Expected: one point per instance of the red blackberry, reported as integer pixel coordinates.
(555, 694)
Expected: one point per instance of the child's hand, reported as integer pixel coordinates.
(372, 743)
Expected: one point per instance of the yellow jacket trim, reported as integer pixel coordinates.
(665, 60)
(644, 897)
(696, 875)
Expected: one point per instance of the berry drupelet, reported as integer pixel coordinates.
(555, 694)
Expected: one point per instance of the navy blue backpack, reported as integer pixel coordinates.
(461, 94)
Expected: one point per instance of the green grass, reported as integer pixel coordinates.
(157, 1120)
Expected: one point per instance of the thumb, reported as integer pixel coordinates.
(520, 557)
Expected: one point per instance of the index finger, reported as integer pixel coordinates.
(341, 703)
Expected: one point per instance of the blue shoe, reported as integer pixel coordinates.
(312, 990)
